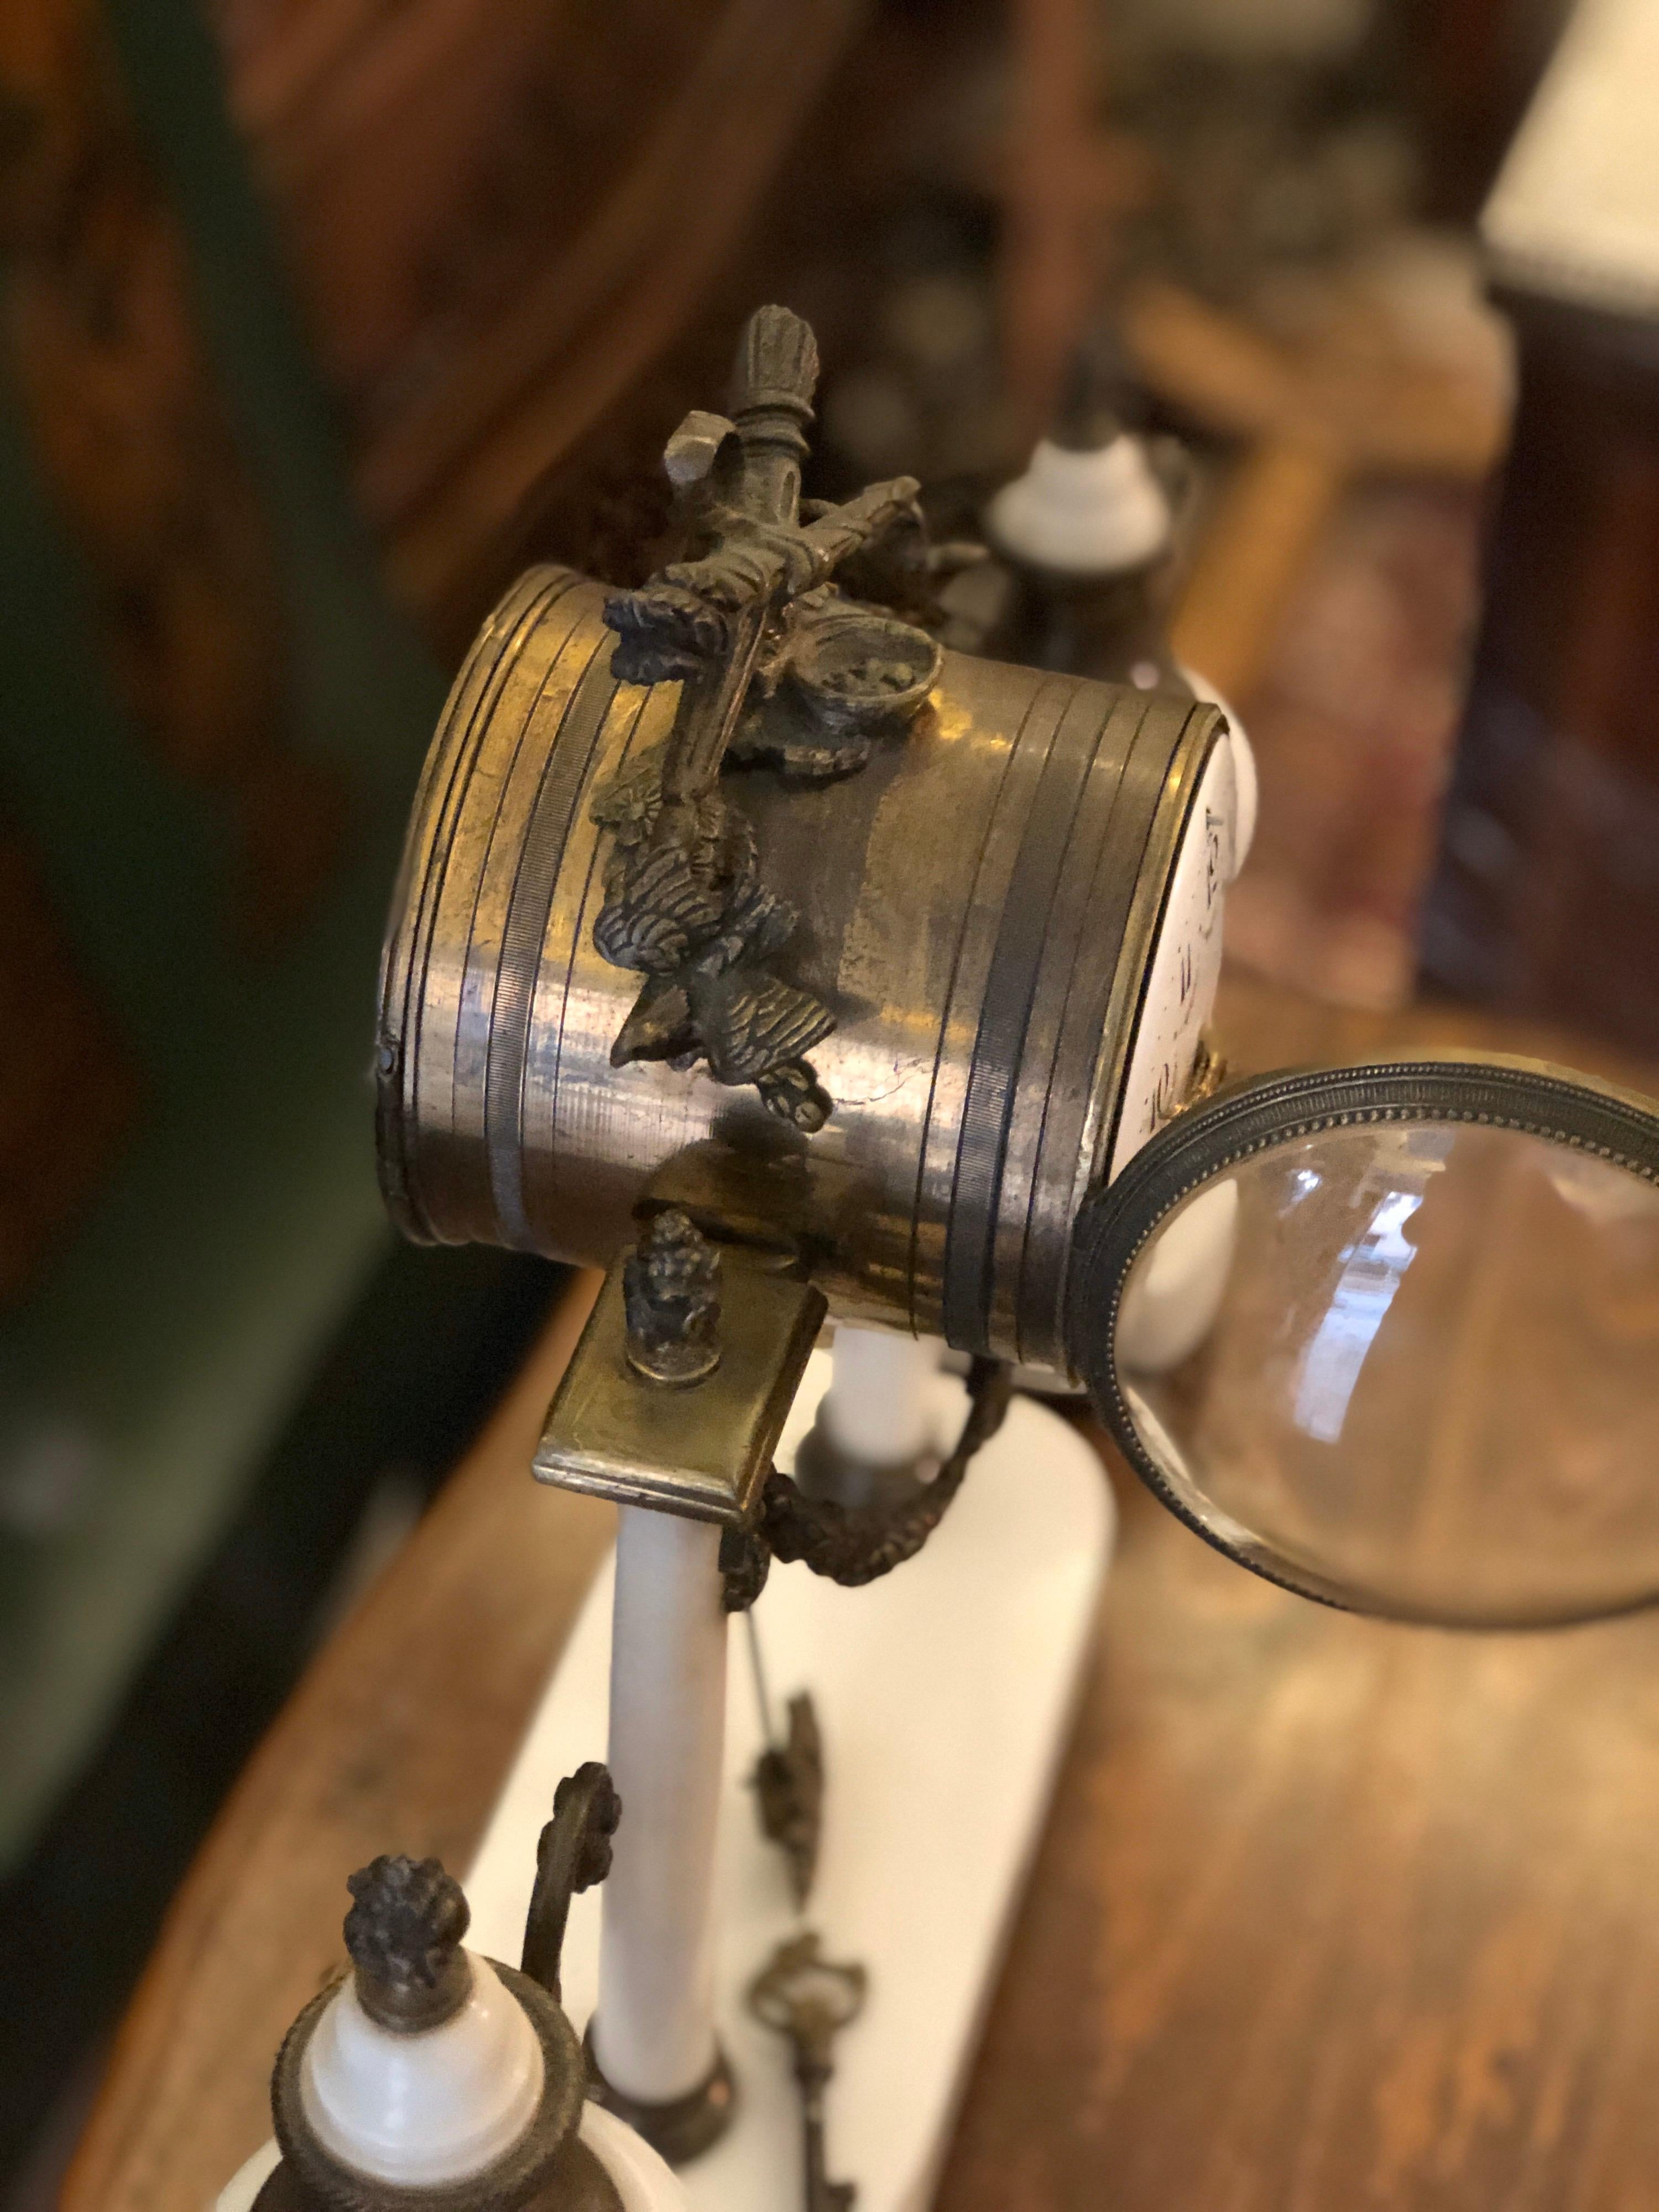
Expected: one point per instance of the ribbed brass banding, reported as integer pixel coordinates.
(977, 906)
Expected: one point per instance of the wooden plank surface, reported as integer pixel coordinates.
(1333, 1914)
(1330, 1915)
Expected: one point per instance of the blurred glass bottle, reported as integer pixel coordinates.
(1087, 537)
(1086, 543)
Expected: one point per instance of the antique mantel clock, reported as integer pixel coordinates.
(751, 946)
(885, 962)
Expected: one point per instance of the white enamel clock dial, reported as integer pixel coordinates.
(1186, 962)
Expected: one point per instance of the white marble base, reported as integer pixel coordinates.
(944, 1693)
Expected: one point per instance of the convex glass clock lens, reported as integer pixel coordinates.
(1411, 1362)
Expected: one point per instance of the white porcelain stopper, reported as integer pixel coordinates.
(435, 2105)
(1094, 512)
(654, 2035)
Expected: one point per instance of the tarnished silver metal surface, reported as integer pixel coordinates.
(976, 905)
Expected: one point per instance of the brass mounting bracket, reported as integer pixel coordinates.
(701, 1448)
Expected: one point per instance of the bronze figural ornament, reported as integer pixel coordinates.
(671, 1301)
(684, 899)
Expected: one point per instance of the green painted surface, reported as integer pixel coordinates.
(169, 1339)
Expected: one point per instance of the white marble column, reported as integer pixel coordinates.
(879, 1407)
(655, 2028)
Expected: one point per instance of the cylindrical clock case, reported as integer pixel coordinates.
(977, 905)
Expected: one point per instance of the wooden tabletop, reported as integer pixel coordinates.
(1330, 1915)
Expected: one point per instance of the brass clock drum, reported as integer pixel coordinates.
(978, 905)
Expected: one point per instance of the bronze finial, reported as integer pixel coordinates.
(404, 1933)
(777, 363)
(671, 1298)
